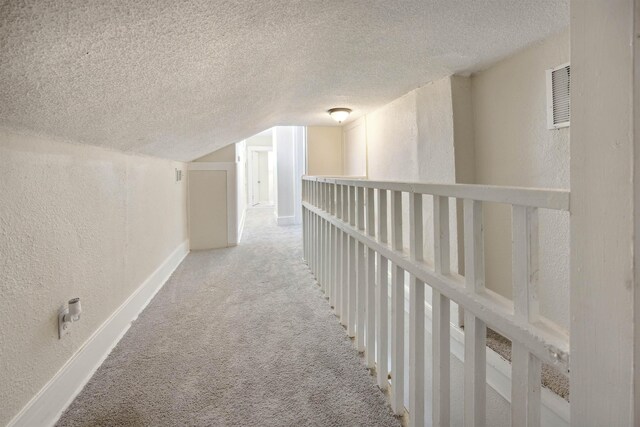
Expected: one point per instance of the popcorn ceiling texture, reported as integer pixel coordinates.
(180, 79)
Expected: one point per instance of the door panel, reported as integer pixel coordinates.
(255, 177)
(208, 209)
(263, 166)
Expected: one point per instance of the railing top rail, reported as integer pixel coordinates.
(535, 197)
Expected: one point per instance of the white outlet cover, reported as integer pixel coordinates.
(63, 327)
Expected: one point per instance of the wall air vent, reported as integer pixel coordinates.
(558, 96)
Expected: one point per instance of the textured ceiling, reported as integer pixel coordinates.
(179, 79)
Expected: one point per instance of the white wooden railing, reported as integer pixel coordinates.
(350, 251)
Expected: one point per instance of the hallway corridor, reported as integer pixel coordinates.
(239, 336)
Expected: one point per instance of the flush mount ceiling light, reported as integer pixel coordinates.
(339, 114)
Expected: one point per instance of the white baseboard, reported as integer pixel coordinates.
(286, 220)
(51, 401)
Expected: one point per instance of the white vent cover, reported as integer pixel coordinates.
(558, 97)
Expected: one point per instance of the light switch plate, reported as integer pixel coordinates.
(63, 327)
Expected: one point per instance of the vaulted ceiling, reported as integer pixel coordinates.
(179, 79)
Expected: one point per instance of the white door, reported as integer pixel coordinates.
(255, 178)
(261, 177)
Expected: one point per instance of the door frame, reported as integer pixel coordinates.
(250, 171)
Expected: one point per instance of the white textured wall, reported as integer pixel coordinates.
(261, 140)
(412, 139)
(289, 153)
(75, 221)
(324, 150)
(605, 213)
(241, 177)
(354, 148)
(514, 147)
(224, 154)
(283, 143)
(392, 137)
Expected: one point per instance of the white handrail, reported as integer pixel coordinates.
(350, 254)
(535, 197)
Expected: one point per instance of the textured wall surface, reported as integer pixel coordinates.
(514, 147)
(75, 221)
(241, 181)
(412, 139)
(180, 79)
(224, 154)
(354, 148)
(283, 142)
(324, 150)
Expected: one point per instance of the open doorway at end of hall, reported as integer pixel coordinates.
(260, 176)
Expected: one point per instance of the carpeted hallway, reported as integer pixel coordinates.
(236, 337)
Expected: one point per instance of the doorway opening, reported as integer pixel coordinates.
(260, 173)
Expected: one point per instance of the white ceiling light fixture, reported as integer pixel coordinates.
(339, 114)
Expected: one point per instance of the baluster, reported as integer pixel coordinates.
(311, 230)
(338, 253)
(382, 297)
(361, 284)
(321, 242)
(351, 315)
(310, 238)
(345, 258)
(314, 240)
(327, 248)
(370, 283)
(304, 222)
(416, 316)
(325, 239)
(330, 243)
(316, 261)
(526, 368)
(441, 316)
(475, 330)
(397, 305)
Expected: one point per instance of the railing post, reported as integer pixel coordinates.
(441, 316)
(525, 367)
(475, 330)
(382, 297)
(370, 282)
(416, 316)
(397, 309)
(360, 274)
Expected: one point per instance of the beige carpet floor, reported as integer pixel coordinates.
(236, 337)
